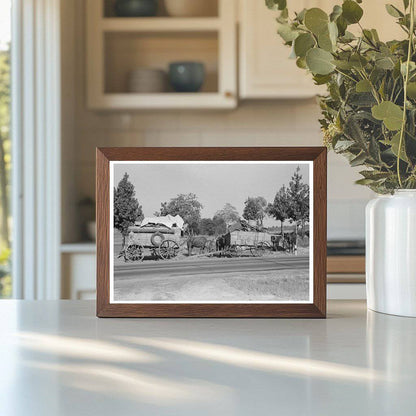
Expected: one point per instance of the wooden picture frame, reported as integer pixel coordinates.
(315, 308)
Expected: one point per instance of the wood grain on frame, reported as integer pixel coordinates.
(317, 309)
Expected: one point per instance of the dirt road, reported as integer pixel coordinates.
(225, 279)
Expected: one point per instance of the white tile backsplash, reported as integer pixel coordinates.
(259, 123)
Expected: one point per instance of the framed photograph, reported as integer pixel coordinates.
(211, 232)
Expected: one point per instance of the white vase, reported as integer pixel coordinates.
(391, 253)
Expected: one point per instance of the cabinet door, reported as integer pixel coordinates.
(265, 68)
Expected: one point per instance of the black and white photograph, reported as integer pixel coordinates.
(211, 232)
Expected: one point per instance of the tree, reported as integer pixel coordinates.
(126, 207)
(187, 206)
(207, 226)
(279, 209)
(298, 195)
(228, 214)
(220, 225)
(255, 209)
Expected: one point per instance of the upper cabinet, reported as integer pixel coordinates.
(128, 58)
(265, 68)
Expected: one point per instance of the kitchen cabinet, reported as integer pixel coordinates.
(265, 70)
(118, 45)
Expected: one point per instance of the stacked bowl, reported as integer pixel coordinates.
(147, 80)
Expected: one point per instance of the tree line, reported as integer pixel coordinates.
(291, 203)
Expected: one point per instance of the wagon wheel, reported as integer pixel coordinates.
(134, 252)
(258, 250)
(168, 249)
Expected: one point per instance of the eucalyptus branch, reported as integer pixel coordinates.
(346, 75)
(364, 109)
(373, 89)
(406, 80)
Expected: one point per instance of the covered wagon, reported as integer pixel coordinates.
(156, 236)
(243, 237)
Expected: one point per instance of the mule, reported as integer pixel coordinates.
(290, 240)
(223, 243)
(196, 242)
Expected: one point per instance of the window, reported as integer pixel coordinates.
(5, 147)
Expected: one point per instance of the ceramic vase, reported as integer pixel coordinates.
(391, 253)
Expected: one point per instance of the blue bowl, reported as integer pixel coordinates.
(136, 8)
(186, 76)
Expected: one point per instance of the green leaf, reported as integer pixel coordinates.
(343, 65)
(358, 61)
(316, 20)
(364, 181)
(351, 11)
(319, 61)
(358, 160)
(300, 17)
(336, 12)
(406, 4)
(391, 114)
(303, 43)
(363, 86)
(321, 79)
(374, 150)
(393, 11)
(286, 32)
(361, 99)
(333, 32)
(374, 175)
(347, 37)
(343, 145)
(394, 145)
(276, 4)
(385, 63)
(412, 67)
(324, 42)
(411, 90)
(301, 63)
(375, 35)
(368, 36)
(342, 25)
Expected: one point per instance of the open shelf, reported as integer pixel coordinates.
(116, 46)
(160, 24)
(130, 101)
(127, 51)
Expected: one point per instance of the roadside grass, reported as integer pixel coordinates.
(282, 285)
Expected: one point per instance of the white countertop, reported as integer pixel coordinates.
(58, 359)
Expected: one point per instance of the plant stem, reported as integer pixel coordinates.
(345, 75)
(406, 80)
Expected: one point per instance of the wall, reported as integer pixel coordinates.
(265, 123)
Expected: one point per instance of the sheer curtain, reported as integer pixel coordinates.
(36, 148)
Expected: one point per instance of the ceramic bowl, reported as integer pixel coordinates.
(186, 76)
(136, 8)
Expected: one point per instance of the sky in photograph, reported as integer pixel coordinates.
(5, 21)
(214, 184)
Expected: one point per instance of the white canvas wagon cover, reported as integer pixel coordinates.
(168, 221)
